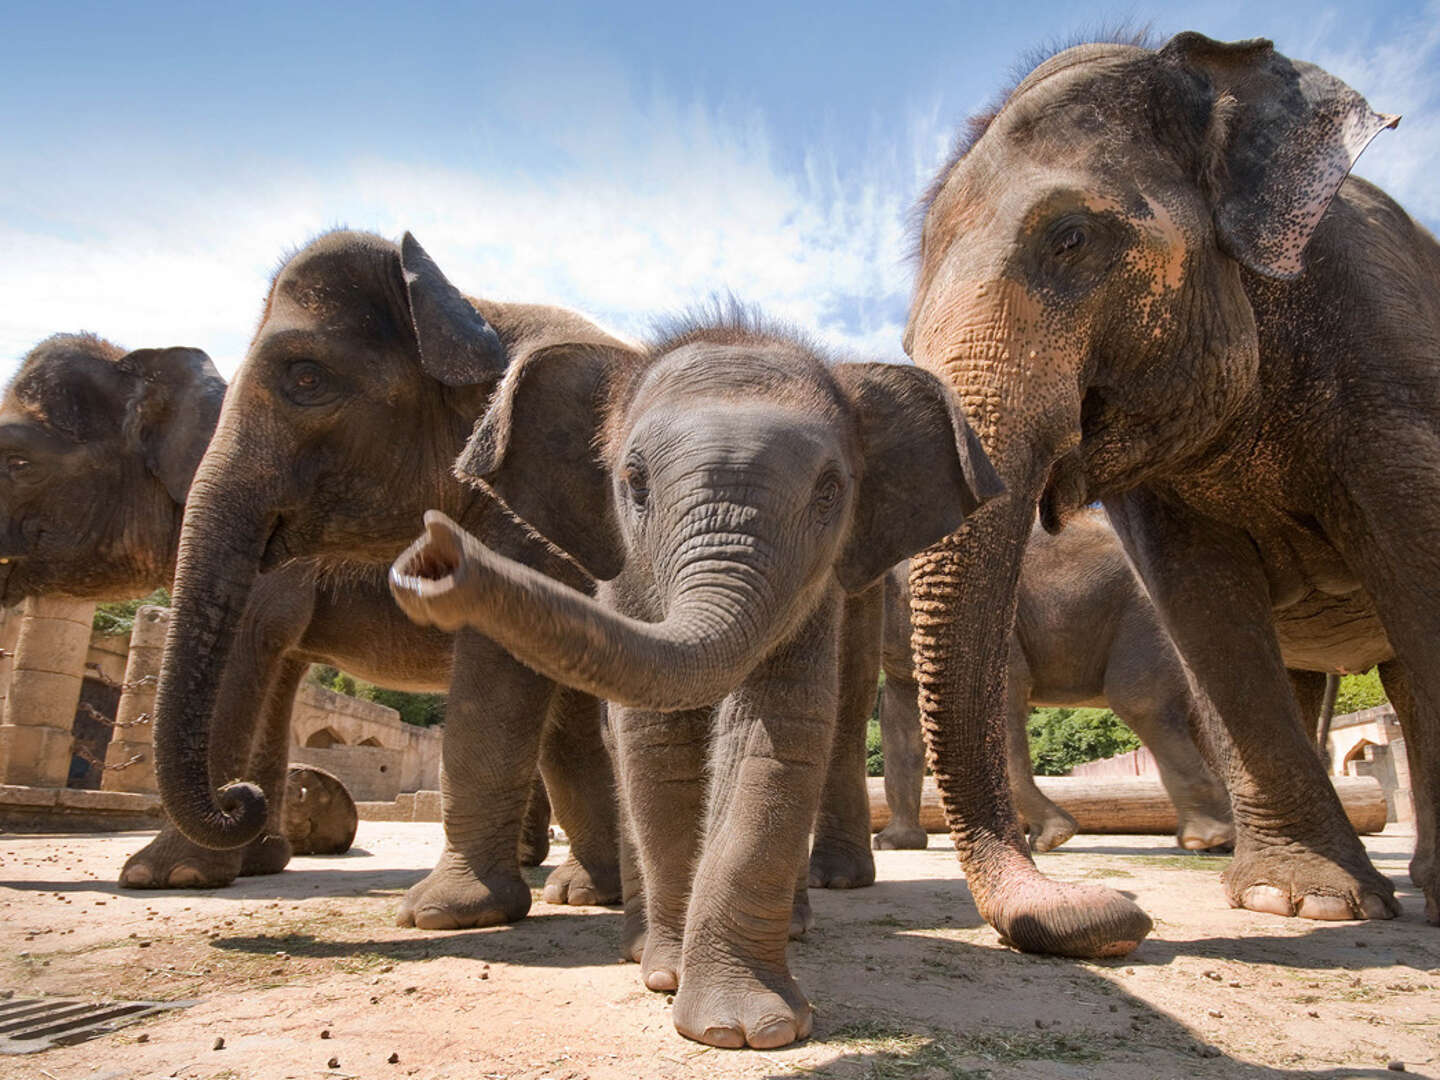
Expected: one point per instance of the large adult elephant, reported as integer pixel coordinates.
(1085, 634)
(100, 446)
(1152, 284)
(364, 378)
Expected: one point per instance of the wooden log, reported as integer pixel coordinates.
(1136, 805)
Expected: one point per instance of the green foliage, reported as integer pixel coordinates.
(119, 618)
(1359, 692)
(874, 757)
(1061, 738)
(422, 710)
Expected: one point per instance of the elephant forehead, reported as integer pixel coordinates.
(778, 374)
(712, 433)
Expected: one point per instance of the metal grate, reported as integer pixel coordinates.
(28, 1025)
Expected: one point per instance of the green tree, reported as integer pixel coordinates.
(422, 710)
(1061, 738)
(119, 617)
(1359, 692)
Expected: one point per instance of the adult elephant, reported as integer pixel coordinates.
(1152, 284)
(1085, 634)
(100, 446)
(363, 380)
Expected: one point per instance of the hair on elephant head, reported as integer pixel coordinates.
(97, 450)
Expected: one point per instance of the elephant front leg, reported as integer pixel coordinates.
(841, 857)
(581, 780)
(1295, 851)
(662, 777)
(736, 988)
(493, 721)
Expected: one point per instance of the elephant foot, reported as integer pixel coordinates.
(573, 884)
(1053, 830)
(1037, 915)
(732, 1006)
(1202, 832)
(268, 854)
(170, 861)
(660, 963)
(833, 866)
(897, 837)
(1336, 882)
(454, 897)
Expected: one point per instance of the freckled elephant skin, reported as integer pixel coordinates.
(731, 490)
(369, 365)
(102, 447)
(1152, 284)
(1085, 634)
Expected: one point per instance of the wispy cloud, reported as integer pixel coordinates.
(1397, 67)
(680, 201)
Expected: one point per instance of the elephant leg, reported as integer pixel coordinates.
(1145, 685)
(768, 770)
(581, 781)
(841, 857)
(662, 773)
(250, 697)
(1309, 688)
(1295, 851)
(269, 762)
(493, 722)
(1397, 683)
(1048, 825)
(904, 745)
(535, 832)
(632, 885)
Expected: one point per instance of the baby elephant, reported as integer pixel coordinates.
(727, 488)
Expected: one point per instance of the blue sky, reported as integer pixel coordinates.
(157, 159)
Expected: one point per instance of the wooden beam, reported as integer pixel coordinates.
(1125, 805)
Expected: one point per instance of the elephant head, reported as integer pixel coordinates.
(1084, 266)
(366, 374)
(97, 450)
(724, 483)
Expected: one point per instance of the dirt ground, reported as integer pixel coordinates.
(305, 975)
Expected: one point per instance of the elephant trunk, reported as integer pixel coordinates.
(221, 546)
(716, 630)
(1026, 413)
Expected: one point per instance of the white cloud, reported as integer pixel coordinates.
(680, 202)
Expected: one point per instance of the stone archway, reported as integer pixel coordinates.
(370, 741)
(324, 739)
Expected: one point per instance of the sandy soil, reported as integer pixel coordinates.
(906, 980)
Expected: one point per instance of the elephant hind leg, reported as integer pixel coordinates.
(535, 832)
(580, 779)
(904, 747)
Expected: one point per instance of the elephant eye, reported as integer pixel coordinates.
(308, 383)
(637, 483)
(16, 463)
(1071, 239)
(828, 490)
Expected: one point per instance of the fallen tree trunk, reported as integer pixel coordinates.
(1126, 805)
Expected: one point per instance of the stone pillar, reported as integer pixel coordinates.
(134, 725)
(35, 734)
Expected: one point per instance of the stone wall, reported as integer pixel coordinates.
(50, 652)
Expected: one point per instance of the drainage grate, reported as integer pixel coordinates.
(28, 1025)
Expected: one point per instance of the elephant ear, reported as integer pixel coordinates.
(536, 448)
(924, 471)
(173, 412)
(1282, 137)
(458, 347)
